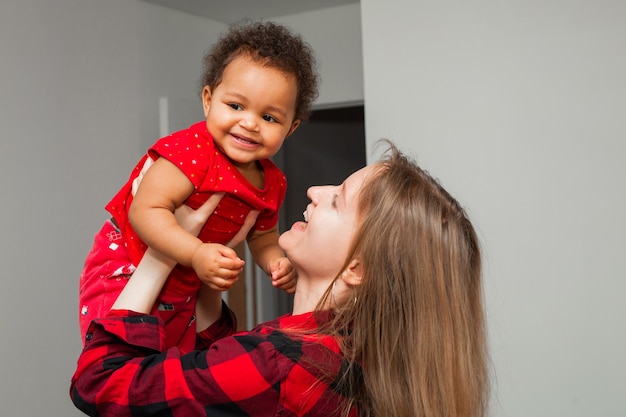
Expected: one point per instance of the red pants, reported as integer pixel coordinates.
(107, 270)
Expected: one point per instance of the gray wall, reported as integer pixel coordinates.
(519, 108)
(79, 88)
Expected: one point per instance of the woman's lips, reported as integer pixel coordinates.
(299, 226)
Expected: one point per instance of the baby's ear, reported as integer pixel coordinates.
(353, 274)
(293, 128)
(206, 99)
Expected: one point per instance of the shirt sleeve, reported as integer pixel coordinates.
(124, 371)
(186, 150)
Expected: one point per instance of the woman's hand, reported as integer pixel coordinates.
(192, 220)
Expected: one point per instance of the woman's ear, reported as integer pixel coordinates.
(353, 274)
(206, 100)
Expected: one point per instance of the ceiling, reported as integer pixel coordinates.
(229, 11)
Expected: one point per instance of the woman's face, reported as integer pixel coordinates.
(318, 246)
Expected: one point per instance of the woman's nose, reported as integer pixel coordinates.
(316, 193)
(311, 192)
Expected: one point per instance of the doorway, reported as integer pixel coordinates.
(324, 150)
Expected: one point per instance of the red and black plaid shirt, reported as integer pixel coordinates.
(268, 371)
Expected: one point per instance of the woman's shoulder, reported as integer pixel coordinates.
(294, 336)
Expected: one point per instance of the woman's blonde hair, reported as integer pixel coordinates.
(416, 338)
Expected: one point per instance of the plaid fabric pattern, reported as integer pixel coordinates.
(268, 371)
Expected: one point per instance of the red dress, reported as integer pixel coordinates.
(117, 249)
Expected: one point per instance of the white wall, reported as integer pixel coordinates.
(68, 114)
(79, 86)
(75, 80)
(520, 109)
(170, 65)
(335, 35)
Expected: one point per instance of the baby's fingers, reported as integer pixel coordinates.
(221, 284)
(286, 283)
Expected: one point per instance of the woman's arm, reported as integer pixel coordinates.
(209, 303)
(122, 372)
(144, 286)
(114, 376)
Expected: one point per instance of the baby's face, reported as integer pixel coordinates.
(252, 111)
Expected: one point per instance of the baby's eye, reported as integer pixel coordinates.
(235, 106)
(269, 118)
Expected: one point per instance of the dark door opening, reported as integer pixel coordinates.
(324, 150)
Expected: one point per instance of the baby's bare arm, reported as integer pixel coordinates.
(264, 247)
(163, 188)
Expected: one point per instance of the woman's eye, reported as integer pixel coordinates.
(235, 106)
(268, 118)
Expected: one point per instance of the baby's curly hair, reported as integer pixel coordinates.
(273, 45)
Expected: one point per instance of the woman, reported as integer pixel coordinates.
(387, 319)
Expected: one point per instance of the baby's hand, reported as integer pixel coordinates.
(283, 275)
(217, 266)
